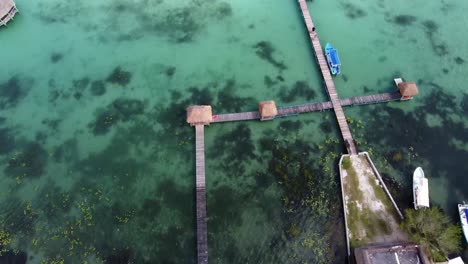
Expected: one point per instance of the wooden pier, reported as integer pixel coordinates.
(202, 237)
(236, 117)
(311, 107)
(330, 85)
(201, 115)
(371, 99)
(8, 11)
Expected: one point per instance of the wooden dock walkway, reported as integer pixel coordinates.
(305, 108)
(311, 107)
(330, 85)
(371, 99)
(202, 237)
(236, 117)
(8, 11)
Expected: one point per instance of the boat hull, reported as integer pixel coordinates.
(462, 211)
(332, 59)
(420, 189)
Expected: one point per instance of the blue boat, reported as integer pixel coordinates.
(332, 58)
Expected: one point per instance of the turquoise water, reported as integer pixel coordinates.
(98, 163)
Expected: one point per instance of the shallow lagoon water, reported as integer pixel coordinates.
(97, 160)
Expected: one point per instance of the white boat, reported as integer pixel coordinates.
(457, 260)
(463, 211)
(420, 189)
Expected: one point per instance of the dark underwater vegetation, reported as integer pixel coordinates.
(7, 140)
(353, 11)
(121, 110)
(98, 88)
(56, 57)
(229, 102)
(404, 20)
(13, 91)
(29, 162)
(412, 140)
(302, 174)
(300, 90)
(266, 51)
(119, 76)
(170, 71)
(179, 24)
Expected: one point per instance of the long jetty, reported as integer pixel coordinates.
(330, 85)
(310, 107)
(202, 236)
(201, 115)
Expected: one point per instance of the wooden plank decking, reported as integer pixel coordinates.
(236, 117)
(202, 238)
(330, 85)
(7, 11)
(294, 110)
(371, 99)
(311, 107)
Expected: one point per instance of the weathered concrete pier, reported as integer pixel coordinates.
(372, 217)
(371, 214)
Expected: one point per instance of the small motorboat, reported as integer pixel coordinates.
(420, 189)
(457, 260)
(332, 59)
(463, 211)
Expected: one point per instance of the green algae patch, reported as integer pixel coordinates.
(4, 241)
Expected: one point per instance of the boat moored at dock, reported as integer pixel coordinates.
(420, 189)
(457, 260)
(463, 212)
(332, 59)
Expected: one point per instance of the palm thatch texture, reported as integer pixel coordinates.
(407, 90)
(199, 115)
(267, 110)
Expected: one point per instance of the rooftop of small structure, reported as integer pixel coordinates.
(267, 109)
(408, 88)
(407, 253)
(199, 115)
(5, 7)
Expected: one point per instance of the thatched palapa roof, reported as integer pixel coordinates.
(408, 89)
(267, 110)
(199, 115)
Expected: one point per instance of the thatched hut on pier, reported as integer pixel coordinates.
(199, 115)
(267, 110)
(407, 90)
(7, 11)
